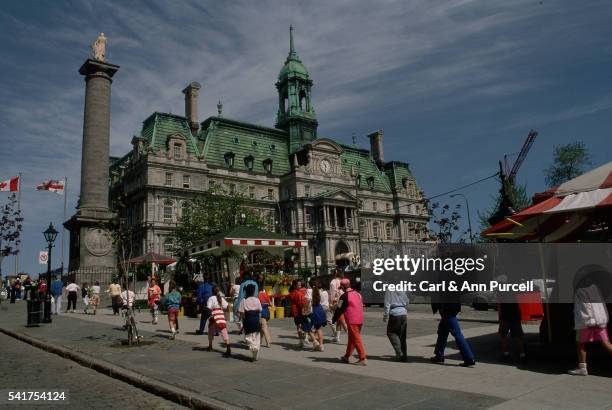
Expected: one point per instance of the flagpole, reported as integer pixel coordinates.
(64, 220)
(18, 209)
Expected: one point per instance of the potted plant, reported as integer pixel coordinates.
(284, 283)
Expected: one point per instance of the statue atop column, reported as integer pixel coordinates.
(98, 48)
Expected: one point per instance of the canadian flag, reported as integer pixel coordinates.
(11, 185)
(52, 185)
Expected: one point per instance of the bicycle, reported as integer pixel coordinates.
(130, 326)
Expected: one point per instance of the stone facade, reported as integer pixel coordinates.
(310, 187)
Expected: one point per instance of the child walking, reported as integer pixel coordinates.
(250, 310)
(154, 296)
(265, 301)
(94, 296)
(216, 323)
(85, 296)
(173, 302)
(318, 318)
(590, 321)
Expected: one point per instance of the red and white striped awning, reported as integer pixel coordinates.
(265, 242)
(599, 178)
(225, 243)
(563, 212)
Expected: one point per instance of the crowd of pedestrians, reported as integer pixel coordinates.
(314, 308)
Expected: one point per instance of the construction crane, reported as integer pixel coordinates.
(507, 176)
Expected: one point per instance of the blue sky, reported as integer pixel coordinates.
(455, 85)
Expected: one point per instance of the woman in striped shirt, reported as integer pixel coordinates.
(217, 323)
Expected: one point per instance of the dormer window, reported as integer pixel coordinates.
(249, 162)
(268, 165)
(254, 143)
(229, 159)
(272, 147)
(370, 181)
(177, 150)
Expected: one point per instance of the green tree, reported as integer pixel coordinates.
(569, 161)
(11, 225)
(212, 212)
(519, 197)
(122, 235)
(444, 222)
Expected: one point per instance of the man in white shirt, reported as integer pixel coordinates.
(127, 297)
(72, 290)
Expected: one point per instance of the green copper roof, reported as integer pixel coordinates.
(293, 65)
(359, 161)
(224, 136)
(396, 172)
(159, 126)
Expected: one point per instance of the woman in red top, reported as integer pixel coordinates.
(154, 296)
(265, 301)
(296, 297)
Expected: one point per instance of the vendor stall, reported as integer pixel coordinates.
(578, 210)
(249, 251)
(152, 262)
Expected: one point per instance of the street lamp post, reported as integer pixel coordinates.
(467, 206)
(50, 235)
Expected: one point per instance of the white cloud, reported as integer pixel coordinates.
(373, 64)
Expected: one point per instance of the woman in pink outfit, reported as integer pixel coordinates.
(351, 306)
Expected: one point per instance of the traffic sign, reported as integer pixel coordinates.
(43, 257)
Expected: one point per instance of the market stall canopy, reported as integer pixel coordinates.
(152, 257)
(244, 237)
(563, 212)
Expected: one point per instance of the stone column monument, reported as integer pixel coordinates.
(91, 245)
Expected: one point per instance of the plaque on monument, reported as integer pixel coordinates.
(98, 241)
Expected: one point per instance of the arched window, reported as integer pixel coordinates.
(376, 230)
(388, 231)
(303, 101)
(168, 210)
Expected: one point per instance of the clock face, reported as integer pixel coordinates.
(325, 166)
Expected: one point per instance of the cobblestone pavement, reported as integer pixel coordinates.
(27, 367)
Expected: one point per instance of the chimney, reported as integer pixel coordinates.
(191, 105)
(376, 146)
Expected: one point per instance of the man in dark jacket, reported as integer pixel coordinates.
(450, 324)
(203, 293)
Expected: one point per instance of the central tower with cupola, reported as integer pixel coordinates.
(295, 111)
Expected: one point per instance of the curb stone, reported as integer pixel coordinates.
(150, 385)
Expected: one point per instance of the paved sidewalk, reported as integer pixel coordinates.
(269, 383)
(290, 377)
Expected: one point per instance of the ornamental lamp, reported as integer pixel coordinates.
(50, 234)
